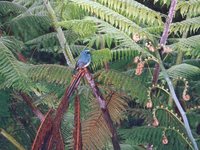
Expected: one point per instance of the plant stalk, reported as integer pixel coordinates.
(164, 37)
(34, 109)
(178, 105)
(60, 35)
(11, 139)
(104, 109)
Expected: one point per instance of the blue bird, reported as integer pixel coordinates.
(84, 59)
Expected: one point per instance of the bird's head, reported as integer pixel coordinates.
(86, 50)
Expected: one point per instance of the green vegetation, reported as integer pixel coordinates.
(40, 42)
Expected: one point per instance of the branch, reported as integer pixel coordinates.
(11, 139)
(63, 106)
(43, 132)
(60, 35)
(104, 109)
(164, 37)
(77, 122)
(35, 110)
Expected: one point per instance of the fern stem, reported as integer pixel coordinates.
(178, 105)
(60, 35)
(164, 37)
(35, 110)
(77, 122)
(11, 139)
(104, 109)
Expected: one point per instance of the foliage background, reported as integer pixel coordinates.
(107, 27)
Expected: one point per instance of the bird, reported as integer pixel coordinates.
(84, 59)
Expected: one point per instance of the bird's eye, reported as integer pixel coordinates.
(87, 52)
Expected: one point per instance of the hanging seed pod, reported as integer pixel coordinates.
(136, 37)
(186, 97)
(136, 59)
(149, 104)
(164, 140)
(139, 68)
(155, 122)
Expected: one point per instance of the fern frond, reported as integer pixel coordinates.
(194, 62)
(95, 124)
(50, 73)
(83, 28)
(49, 41)
(24, 3)
(184, 70)
(123, 53)
(168, 118)
(7, 7)
(189, 25)
(12, 43)
(28, 27)
(190, 44)
(112, 17)
(142, 114)
(148, 134)
(124, 40)
(189, 8)
(100, 57)
(123, 83)
(12, 70)
(135, 10)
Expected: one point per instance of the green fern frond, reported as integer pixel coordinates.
(189, 8)
(188, 25)
(12, 43)
(123, 53)
(123, 39)
(50, 73)
(83, 28)
(123, 83)
(134, 10)
(50, 42)
(149, 134)
(101, 40)
(112, 17)
(100, 57)
(168, 118)
(7, 7)
(142, 114)
(194, 62)
(24, 3)
(184, 70)
(28, 27)
(190, 44)
(12, 70)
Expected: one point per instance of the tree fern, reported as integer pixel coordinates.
(123, 83)
(9, 7)
(29, 26)
(190, 44)
(124, 40)
(189, 8)
(189, 25)
(148, 134)
(49, 42)
(83, 28)
(184, 70)
(112, 17)
(12, 70)
(135, 10)
(50, 73)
